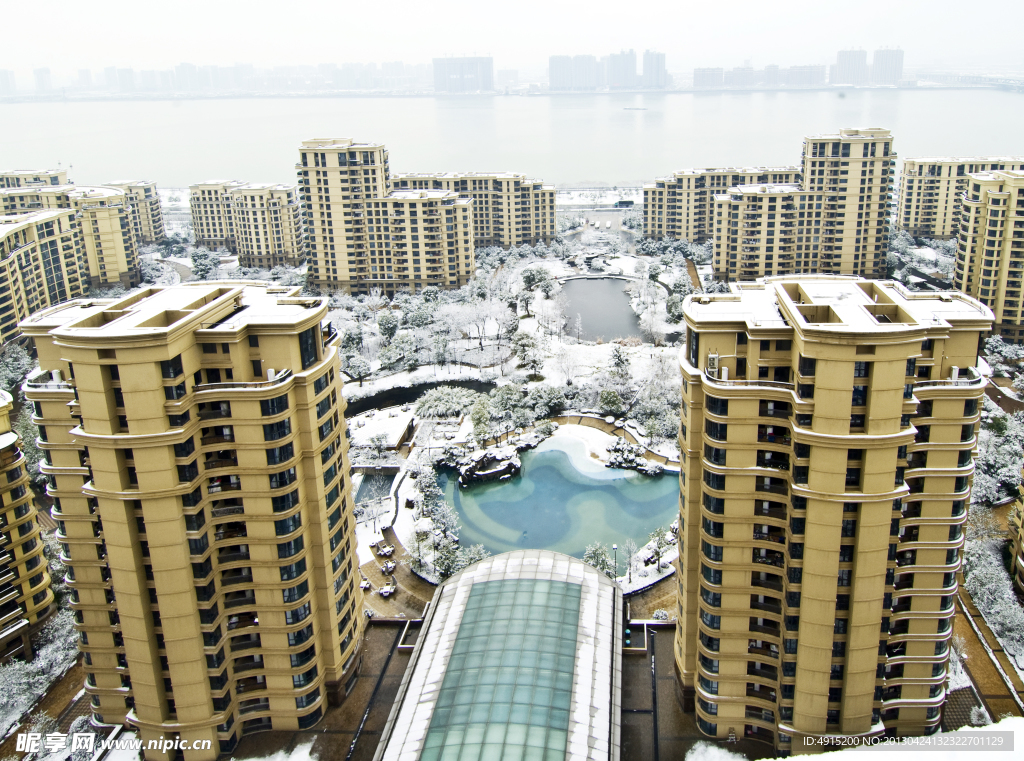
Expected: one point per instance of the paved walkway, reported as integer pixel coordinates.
(995, 689)
(413, 592)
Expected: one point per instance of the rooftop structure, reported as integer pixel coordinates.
(519, 652)
(31, 178)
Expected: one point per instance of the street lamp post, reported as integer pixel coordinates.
(615, 549)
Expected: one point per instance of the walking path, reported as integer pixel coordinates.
(997, 682)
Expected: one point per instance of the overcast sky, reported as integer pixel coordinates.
(67, 35)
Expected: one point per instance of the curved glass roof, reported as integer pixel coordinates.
(519, 658)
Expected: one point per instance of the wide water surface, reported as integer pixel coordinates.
(563, 500)
(585, 138)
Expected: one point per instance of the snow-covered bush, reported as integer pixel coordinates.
(997, 475)
(446, 401)
(660, 615)
(992, 590)
(15, 364)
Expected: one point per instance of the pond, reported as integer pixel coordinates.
(563, 500)
(603, 307)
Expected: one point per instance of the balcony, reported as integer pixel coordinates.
(760, 649)
(236, 576)
(776, 460)
(761, 671)
(771, 631)
(773, 434)
(760, 692)
(233, 530)
(233, 553)
(242, 621)
(768, 557)
(237, 599)
(771, 485)
(248, 663)
(766, 582)
(768, 604)
(774, 409)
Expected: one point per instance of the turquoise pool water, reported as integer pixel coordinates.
(563, 500)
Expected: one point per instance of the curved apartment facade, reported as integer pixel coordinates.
(828, 433)
(197, 459)
(25, 595)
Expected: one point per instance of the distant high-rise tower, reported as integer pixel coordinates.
(887, 67)
(585, 75)
(851, 68)
(463, 74)
(44, 82)
(708, 79)
(6, 82)
(560, 72)
(622, 70)
(655, 75)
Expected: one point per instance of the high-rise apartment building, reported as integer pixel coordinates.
(267, 222)
(844, 184)
(851, 68)
(470, 74)
(42, 263)
(931, 190)
(104, 220)
(622, 70)
(194, 439)
(111, 253)
(585, 73)
(560, 72)
(887, 67)
(44, 82)
(508, 209)
(212, 219)
(147, 214)
(708, 78)
(655, 74)
(682, 206)
(25, 595)
(990, 251)
(33, 178)
(829, 428)
(7, 86)
(373, 239)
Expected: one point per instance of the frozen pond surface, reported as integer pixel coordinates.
(563, 500)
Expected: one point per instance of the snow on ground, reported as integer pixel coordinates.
(298, 753)
(424, 374)
(963, 749)
(958, 678)
(598, 197)
(391, 422)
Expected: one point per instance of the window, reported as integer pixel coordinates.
(860, 396)
(807, 366)
(307, 346)
(717, 406)
(714, 480)
(844, 577)
(254, 341)
(282, 479)
(288, 549)
(783, 345)
(277, 455)
(171, 368)
(861, 369)
(275, 431)
(716, 431)
(285, 501)
(274, 406)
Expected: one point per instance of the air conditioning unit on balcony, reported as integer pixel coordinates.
(712, 365)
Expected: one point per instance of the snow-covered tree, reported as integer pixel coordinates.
(357, 368)
(205, 264)
(446, 401)
(660, 542)
(15, 364)
(387, 324)
(609, 402)
(565, 361)
(630, 549)
(598, 556)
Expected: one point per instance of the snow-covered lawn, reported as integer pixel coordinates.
(391, 423)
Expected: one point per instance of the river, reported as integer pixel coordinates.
(562, 139)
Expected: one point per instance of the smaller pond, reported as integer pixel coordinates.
(563, 500)
(603, 307)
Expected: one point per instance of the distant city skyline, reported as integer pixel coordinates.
(104, 34)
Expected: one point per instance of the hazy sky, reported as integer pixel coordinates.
(67, 35)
